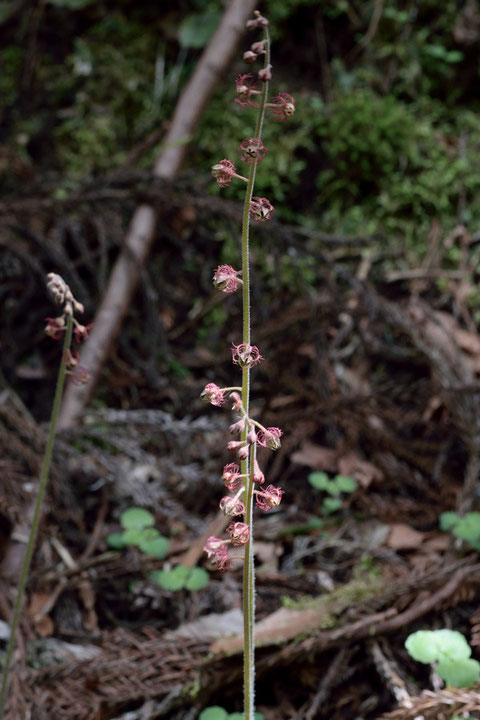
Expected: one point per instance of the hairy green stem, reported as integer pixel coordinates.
(47, 459)
(248, 465)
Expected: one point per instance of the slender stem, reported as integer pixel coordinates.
(47, 459)
(248, 465)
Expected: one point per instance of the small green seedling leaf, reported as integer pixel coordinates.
(448, 520)
(197, 579)
(213, 713)
(241, 716)
(116, 540)
(468, 528)
(173, 579)
(459, 673)
(422, 646)
(157, 547)
(452, 645)
(136, 518)
(331, 505)
(345, 484)
(320, 481)
(133, 536)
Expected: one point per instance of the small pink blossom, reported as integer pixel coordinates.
(258, 476)
(253, 150)
(224, 172)
(270, 437)
(55, 327)
(239, 533)
(237, 403)
(246, 355)
(237, 427)
(261, 209)
(71, 359)
(217, 553)
(258, 22)
(282, 106)
(246, 87)
(232, 506)
(81, 331)
(231, 477)
(249, 57)
(80, 375)
(269, 498)
(225, 278)
(265, 74)
(258, 47)
(240, 447)
(213, 394)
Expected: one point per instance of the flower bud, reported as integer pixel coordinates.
(249, 57)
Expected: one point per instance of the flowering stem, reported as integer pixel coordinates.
(247, 466)
(36, 514)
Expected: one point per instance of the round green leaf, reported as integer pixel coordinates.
(345, 484)
(319, 480)
(134, 536)
(459, 673)
(197, 579)
(448, 520)
(236, 716)
(136, 518)
(116, 540)
(331, 504)
(213, 713)
(452, 645)
(157, 547)
(468, 528)
(422, 646)
(173, 579)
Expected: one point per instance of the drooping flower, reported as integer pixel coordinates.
(269, 498)
(246, 88)
(240, 447)
(225, 278)
(265, 73)
(224, 172)
(232, 506)
(270, 437)
(258, 476)
(237, 427)
(237, 403)
(257, 22)
(253, 150)
(213, 394)
(217, 553)
(231, 476)
(261, 209)
(81, 331)
(282, 106)
(246, 355)
(55, 327)
(239, 533)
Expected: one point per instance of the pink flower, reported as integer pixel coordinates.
(258, 476)
(257, 22)
(239, 533)
(240, 447)
(253, 150)
(237, 403)
(232, 506)
(213, 394)
(224, 172)
(269, 498)
(282, 106)
(237, 427)
(245, 87)
(81, 331)
(261, 209)
(270, 437)
(249, 57)
(225, 278)
(80, 375)
(55, 327)
(246, 355)
(231, 477)
(265, 74)
(217, 552)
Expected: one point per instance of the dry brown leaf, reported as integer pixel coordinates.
(360, 470)
(316, 457)
(404, 537)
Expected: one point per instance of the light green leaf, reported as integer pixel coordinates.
(452, 645)
(173, 579)
(319, 480)
(157, 547)
(422, 646)
(116, 540)
(331, 505)
(459, 673)
(213, 713)
(197, 579)
(448, 520)
(134, 536)
(136, 517)
(345, 484)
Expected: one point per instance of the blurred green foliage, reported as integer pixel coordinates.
(387, 131)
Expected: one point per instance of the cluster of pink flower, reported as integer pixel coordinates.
(62, 295)
(233, 479)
